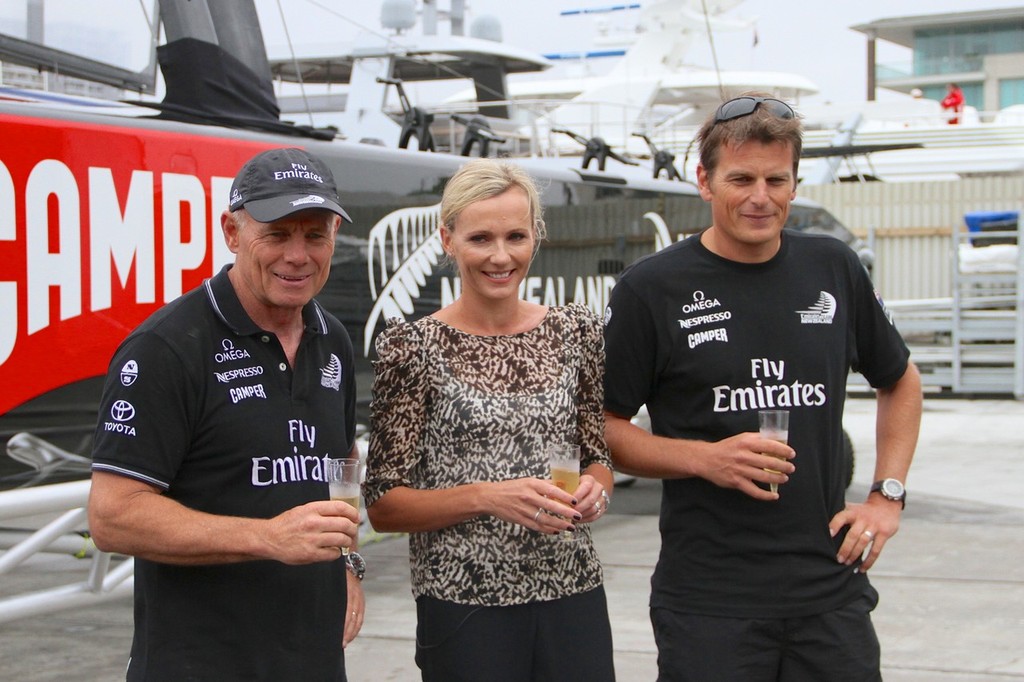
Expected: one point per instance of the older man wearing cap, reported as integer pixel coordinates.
(208, 463)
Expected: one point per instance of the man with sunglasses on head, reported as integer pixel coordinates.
(753, 584)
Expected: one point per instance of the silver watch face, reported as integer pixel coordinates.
(356, 564)
(892, 489)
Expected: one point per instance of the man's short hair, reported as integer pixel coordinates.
(762, 124)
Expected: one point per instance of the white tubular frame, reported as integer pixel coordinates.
(102, 583)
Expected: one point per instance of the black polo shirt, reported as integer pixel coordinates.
(202, 403)
(704, 343)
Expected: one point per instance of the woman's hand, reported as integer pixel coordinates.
(536, 504)
(591, 503)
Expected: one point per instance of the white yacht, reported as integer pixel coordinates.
(652, 99)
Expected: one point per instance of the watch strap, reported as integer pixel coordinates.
(878, 487)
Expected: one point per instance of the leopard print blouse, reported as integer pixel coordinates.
(451, 408)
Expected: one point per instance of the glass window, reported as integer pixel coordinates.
(1011, 91)
(955, 50)
(974, 95)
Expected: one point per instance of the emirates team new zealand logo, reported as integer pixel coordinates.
(330, 376)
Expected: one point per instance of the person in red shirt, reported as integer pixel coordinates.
(954, 101)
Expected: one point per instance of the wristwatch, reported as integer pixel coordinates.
(891, 489)
(355, 563)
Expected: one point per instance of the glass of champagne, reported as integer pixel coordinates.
(343, 481)
(564, 462)
(774, 425)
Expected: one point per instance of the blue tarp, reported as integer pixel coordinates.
(979, 220)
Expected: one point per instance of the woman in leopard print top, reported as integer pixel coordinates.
(464, 402)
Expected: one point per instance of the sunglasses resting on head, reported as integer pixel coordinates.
(746, 105)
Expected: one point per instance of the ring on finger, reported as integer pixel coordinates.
(869, 534)
(537, 515)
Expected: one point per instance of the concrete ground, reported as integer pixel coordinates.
(951, 581)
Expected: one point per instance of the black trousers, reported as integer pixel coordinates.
(566, 639)
(837, 646)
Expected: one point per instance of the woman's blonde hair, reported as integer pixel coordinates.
(486, 178)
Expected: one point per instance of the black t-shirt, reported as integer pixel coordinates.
(705, 343)
(202, 403)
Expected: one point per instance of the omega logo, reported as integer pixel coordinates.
(230, 352)
(700, 302)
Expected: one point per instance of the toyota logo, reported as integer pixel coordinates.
(122, 411)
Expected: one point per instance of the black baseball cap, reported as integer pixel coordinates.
(279, 182)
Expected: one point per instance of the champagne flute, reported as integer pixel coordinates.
(774, 425)
(343, 481)
(564, 463)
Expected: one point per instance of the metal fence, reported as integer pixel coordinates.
(911, 225)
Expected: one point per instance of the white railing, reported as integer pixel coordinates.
(529, 132)
(105, 579)
(985, 144)
(57, 522)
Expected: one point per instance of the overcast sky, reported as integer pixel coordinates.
(809, 38)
